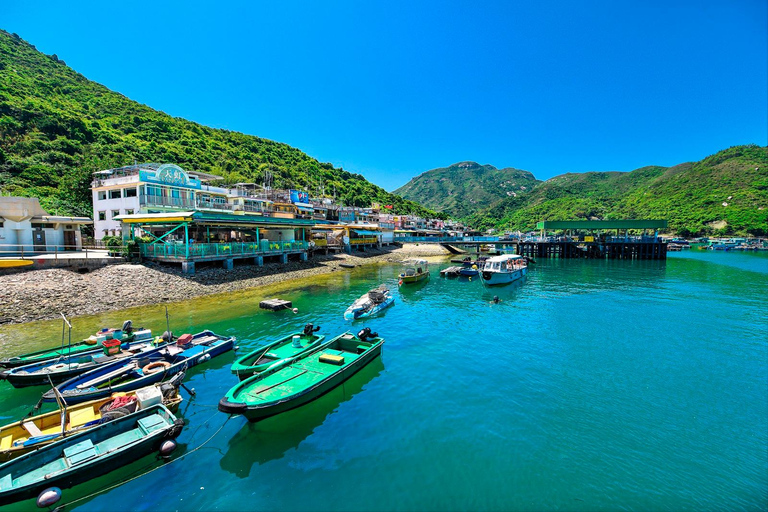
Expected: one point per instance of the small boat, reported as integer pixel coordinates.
(31, 433)
(304, 379)
(285, 348)
(82, 456)
(15, 263)
(415, 271)
(59, 370)
(504, 269)
(147, 368)
(91, 345)
(469, 271)
(370, 303)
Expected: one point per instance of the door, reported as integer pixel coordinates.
(70, 243)
(38, 238)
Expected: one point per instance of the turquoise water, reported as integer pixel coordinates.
(593, 385)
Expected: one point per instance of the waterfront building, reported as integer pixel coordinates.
(180, 216)
(26, 228)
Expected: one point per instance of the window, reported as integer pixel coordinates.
(129, 212)
(130, 192)
(114, 194)
(102, 215)
(115, 213)
(102, 195)
(37, 225)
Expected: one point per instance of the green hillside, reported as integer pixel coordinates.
(724, 194)
(57, 127)
(466, 187)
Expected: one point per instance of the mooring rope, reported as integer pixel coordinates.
(62, 507)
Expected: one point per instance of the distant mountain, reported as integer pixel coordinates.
(57, 127)
(724, 194)
(466, 187)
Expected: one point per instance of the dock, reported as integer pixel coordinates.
(275, 304)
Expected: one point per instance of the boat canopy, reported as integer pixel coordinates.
(415, 261)
(504, 257)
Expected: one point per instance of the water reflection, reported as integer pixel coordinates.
(270, 439)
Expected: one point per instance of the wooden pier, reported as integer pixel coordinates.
(593, 250)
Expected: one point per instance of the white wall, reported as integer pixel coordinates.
(108, 205)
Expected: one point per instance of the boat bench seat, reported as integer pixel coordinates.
(362, 348)
(32, 429)
(79, 453)
(204, 339)
(6, 442)
(6, 482)
(152, 423)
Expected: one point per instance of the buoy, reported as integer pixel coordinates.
(295, 310)
(48, 497)
(167, 448)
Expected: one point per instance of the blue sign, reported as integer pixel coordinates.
(297, 196)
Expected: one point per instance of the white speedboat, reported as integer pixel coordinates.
(504, 269)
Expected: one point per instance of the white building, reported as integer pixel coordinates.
(25, 226)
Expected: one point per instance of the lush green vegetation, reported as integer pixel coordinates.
(57, 127)
(466, 187)
(724, 194)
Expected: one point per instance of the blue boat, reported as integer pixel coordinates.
(66, 367)
(370, 303)
(469, 271)
(143, 370)
(81, 457)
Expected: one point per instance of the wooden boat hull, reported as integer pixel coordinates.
(249, 364)
(62, 369)
(15, 263)
(256, 412)
(16, 439)
(129, 375)
(415, 278)
(80, 457)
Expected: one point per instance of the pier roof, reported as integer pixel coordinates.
(602, 224)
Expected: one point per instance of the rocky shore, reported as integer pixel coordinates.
(42, 294)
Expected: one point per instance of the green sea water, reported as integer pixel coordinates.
(592, 385)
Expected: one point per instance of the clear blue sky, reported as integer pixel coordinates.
(392, 89)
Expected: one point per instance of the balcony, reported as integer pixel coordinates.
(219, 251)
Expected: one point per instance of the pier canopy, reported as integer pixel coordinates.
(602, 224)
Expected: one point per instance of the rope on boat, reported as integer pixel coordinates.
(62, 507)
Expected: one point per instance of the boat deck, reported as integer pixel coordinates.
(299, 376)
(84, 451)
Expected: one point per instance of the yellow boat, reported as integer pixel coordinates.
(15, 263)
(28, 434)
(415, 271)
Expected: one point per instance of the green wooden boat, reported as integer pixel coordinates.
(81, 457)
(304, 378)
(265, 356)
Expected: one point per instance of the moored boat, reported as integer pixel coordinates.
(80, 457)
(284, 348)
(147, 368)
(415, 271)
(13, 263)
(66, 367)
(304, 379)
(504, 269)
(370, 303)
(31, 433)
(91, 345)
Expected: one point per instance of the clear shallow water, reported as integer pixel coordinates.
(593, 385)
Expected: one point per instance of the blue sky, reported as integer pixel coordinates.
(393, 89)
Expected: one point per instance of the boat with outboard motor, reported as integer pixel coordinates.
(415, 271)
(147, 368)
(304, 378)
(272, 353)
(370, 303)
(31, 433)
(66, 367)
(504, 269)
(82, 456)
(91, 345)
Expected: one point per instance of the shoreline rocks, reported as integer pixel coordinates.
(42, 294)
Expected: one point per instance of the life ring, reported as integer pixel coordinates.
(156, 366)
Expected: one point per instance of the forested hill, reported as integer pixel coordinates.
(57, 127)
(466, 187)
(724, 194)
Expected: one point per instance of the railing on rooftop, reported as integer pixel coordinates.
(220, 250)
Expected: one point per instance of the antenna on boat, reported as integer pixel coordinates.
(62, 336)
(168, 325)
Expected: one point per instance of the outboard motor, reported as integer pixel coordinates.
(167, 336)
(309, 329)
(127, 326)
(366, 333)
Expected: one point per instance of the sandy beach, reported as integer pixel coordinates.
(43, 294)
